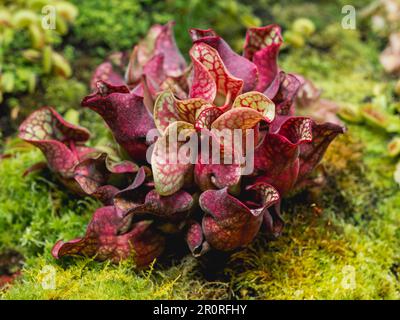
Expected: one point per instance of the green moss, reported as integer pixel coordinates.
(85, 279)
(345, 68)
(101, 23)
(341, 243)
(35, 211)
(317, 262)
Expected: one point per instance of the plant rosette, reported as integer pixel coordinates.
(214, 146)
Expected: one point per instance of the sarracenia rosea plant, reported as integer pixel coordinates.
(211, 204)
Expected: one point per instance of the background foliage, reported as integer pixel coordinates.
(28, 50)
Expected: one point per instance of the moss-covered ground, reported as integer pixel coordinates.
(341, 241)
